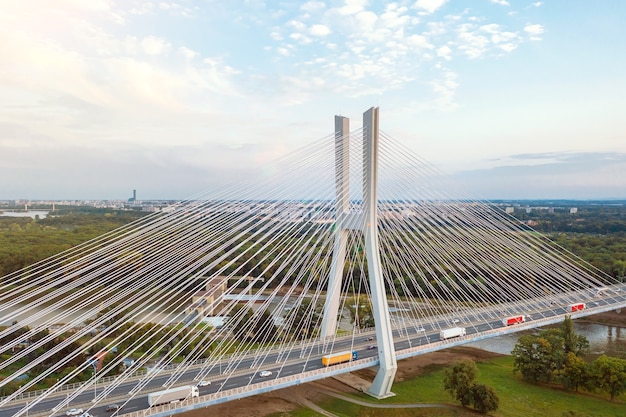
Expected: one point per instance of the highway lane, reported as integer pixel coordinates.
(309, 357)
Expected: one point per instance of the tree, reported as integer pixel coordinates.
(484, 398)
(360, 308)
(459, 379)
(532, 357)
(304, 323)
(609, 375)
(572, 342)
(540, 358)
(250, 326)
(265, 330)
(574, 372)
(237, 322)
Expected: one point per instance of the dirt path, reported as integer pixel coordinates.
(379, 405)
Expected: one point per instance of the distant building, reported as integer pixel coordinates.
(205, 301)
(573, 210)
(509, 210)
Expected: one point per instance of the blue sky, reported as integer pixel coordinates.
(518, 99)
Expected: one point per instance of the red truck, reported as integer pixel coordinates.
(576, 307)
(513, 320)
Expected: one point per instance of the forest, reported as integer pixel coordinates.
(24, 240)
(596, 232)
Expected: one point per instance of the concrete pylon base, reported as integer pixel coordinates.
(381, 386)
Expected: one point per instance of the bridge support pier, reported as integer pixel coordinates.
(342, 190)
(367, 223)
(381, 387)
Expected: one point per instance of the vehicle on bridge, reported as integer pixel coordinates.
(340, 357)
(173, 394)
(576, 307)
(452, 332)
(513, 320)
(601, 291)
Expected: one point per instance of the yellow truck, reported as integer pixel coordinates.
(339, 357)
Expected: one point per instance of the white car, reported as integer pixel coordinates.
(264, 374)
(204, 383)
(74, 412)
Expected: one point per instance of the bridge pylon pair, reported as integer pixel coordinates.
(365, 221)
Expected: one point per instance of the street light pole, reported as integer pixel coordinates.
(95, 379)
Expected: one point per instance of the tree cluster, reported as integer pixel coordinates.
(24, 241)
(557, 356)
(459, 381)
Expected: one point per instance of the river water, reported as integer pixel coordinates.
(603, 339)
(31, 213)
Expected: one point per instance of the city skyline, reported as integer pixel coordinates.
(514, 99)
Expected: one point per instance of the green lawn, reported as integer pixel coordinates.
(517, 398)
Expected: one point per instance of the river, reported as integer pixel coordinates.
(31, 213)
(603, 339)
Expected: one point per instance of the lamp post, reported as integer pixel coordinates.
(94, 363)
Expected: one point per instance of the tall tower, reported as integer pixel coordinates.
(367, 223)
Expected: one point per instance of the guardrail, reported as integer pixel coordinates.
(253, 389)
(28, 395)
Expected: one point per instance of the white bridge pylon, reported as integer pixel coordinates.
(365, 221)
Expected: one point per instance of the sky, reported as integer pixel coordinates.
(515, 99)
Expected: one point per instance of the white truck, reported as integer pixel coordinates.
(173, 394)
(452, 332)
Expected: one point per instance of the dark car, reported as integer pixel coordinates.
(112, 407)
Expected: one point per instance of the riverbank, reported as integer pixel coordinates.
(612, 318)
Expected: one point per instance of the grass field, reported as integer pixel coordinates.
(517, 398)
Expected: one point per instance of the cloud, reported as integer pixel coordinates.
(367, 20)
(351, 7)
(364, 49)
(313, 6)
(97, 74)
(445, 89)
(553, 175)
(444, 52)
(152, 45)
(534, 31)
(429, 6)
(319, 30)
(501, 2)
(471, 41)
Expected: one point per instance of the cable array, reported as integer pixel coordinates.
(236, 278)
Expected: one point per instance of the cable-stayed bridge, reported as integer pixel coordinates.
(351, 244)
